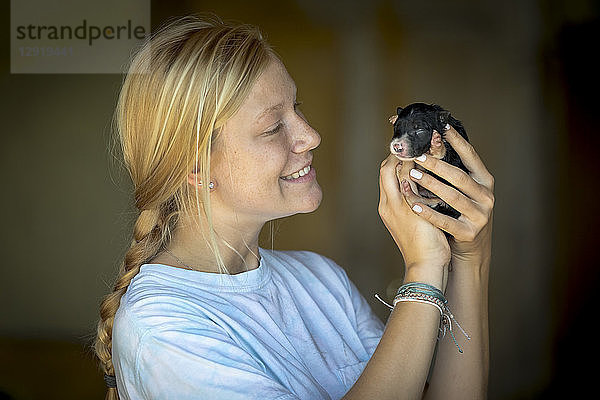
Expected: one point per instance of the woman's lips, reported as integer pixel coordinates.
(301, 179)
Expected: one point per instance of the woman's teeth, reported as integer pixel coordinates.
(298, 174)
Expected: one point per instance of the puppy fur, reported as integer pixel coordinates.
(419, 128)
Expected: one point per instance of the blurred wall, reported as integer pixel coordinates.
(496, 65)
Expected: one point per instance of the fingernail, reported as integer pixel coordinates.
(447, 127)
(417, 208)
(422, 158)
(416, 174)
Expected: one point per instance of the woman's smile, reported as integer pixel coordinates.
(306, 174)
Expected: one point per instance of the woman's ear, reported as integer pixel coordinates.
(194, 178)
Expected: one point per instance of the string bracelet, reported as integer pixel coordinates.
(424, 293)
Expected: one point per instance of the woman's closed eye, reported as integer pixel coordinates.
(280, 124)
(274, 130)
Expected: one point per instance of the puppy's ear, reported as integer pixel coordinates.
(444, 117)
(399, 110)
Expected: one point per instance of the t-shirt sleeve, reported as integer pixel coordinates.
(369, 326)
(174, 363)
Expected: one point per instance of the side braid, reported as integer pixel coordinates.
(190, 76)
(151, 232)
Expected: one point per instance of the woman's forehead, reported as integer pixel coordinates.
(272, 90)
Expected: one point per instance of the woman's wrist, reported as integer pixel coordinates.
(430, 274)
(476, 264)
(469, 274)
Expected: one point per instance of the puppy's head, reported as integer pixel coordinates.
(413, 129)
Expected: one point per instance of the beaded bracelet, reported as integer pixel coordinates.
(425, 293)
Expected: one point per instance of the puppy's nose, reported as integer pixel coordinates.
(400, 147)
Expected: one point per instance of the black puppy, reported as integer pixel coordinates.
(418, 129)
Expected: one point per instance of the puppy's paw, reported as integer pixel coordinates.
(437, 148)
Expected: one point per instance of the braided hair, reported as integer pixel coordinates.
(182, 85)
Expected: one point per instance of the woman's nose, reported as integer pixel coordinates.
(306, 138)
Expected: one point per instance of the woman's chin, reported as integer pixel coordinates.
(316, 200)
(310, 203)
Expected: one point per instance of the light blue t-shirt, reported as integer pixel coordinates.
(294, 328)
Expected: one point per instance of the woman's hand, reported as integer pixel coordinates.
(474, 199)
(424, 247)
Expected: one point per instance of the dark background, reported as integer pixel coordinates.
(522, 77)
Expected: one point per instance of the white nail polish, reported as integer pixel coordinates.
(416, 174)
(422, 158)
(447, 127)
(417, 208)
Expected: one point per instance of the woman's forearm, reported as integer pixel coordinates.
(464, 375)
(399, 366)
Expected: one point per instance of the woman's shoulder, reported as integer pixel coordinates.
(155, 310)
(157, 297)
(306, 263)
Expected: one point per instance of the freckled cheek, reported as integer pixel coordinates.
(260, 168)
(256, 178)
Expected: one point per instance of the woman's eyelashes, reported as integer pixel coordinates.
(280, 124)
(274, 130)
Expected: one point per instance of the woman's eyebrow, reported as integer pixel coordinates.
(273, 108)
(268, 110)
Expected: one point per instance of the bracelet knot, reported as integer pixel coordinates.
(424, 293)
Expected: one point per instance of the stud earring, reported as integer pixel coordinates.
(211, 184)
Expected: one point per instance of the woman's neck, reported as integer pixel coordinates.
(189, 248)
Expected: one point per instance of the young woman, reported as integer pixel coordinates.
(210, 132)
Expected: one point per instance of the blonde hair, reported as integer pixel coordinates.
(182, 85)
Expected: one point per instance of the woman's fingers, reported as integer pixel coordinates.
(472, 197)
(457, 228)
(459, 178)
(470, 193)
(474, 201)
(470, 158)
(450, 195)
(422, 206)
(388, 183)
(412, 199)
